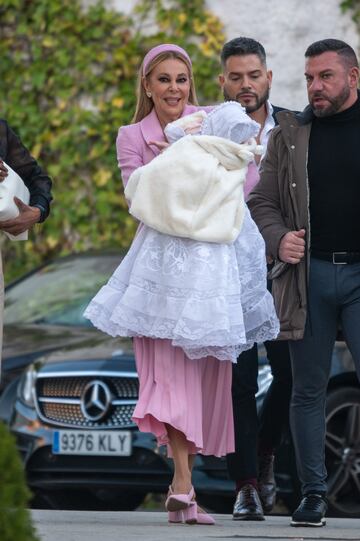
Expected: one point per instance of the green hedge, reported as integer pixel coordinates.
(15, 520)
(67, 83)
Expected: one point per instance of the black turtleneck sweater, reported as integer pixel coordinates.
(334, 181)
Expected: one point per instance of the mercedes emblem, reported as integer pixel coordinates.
(95, 400)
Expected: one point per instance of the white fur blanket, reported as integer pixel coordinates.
(194, 189)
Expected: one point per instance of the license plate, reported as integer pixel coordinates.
(92, 442)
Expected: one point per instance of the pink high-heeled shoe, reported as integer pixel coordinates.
(178, 502)
(203, 519)
(188, 514)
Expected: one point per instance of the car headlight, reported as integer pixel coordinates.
(26, 389)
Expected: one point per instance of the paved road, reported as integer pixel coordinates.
(152, 526)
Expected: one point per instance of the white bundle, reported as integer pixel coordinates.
(12, 186)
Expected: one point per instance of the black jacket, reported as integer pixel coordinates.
(13, 152)
(275, 111)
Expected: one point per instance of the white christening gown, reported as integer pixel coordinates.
(209, 299)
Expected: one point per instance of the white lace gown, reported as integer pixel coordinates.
(209, 299)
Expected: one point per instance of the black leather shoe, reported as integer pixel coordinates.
(266, 482)
(247, 505)
(311, 511)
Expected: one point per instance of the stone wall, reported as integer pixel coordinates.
(285, 28)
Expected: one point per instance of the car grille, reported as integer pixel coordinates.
(66, 400)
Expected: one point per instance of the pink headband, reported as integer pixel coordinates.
(164, 48)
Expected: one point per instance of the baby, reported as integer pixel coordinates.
(195, 188)
(228, 120)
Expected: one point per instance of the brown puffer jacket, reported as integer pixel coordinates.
(280, 203)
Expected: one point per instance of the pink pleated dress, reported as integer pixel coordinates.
(191, 395)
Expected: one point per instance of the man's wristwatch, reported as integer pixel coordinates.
(42, 211)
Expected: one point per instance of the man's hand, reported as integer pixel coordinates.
(3, 171)
(292, 247)
(28, 216)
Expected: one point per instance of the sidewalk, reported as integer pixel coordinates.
(152, 526)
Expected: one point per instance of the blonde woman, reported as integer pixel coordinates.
(186, 403)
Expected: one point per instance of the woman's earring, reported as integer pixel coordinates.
(148, 94)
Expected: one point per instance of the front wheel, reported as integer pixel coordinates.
(342, 448)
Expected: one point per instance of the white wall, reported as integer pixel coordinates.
(285, 28)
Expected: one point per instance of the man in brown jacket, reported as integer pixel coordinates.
(305, 206)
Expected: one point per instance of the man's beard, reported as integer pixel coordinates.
(334, 103)
(259, 100)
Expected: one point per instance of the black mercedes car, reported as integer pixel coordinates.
(68, 392)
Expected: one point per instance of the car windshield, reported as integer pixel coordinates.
(58, 293)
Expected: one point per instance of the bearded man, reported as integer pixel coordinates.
(306, 207)
(246, 79)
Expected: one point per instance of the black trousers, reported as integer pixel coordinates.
(274, 416)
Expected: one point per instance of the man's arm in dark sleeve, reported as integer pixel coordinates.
(38, 183)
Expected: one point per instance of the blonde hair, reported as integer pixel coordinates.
(144, 104)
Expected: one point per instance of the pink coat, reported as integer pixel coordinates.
(252, 178)
(133, 141)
